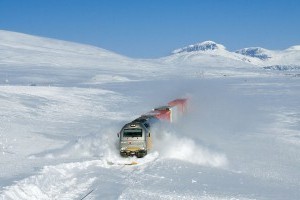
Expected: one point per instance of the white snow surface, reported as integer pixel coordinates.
(63, 103)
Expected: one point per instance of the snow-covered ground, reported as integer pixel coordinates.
(62, 104)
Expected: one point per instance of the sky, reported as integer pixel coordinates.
(154, 28)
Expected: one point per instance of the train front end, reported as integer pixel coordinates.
(133, 140)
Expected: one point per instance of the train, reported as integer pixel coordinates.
(135, 138)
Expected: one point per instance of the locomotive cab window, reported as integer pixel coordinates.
(136, 132)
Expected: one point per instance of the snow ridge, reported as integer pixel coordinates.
(256, 52)
(294, 48)
(203, 46)
(283, 67)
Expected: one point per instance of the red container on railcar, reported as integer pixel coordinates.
(180, 103)
(162, 113)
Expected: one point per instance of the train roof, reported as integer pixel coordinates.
(177, 101)
(162, 108)
(144, 118)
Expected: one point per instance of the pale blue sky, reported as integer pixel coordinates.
(153, 28)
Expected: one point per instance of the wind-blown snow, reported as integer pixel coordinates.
(186, 149)
(62, 105)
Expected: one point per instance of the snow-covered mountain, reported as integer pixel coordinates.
(204, 46)
(49, 61)
(22, 49)
(255, 52)
(289, 56)
(209, 53)
(253, 55)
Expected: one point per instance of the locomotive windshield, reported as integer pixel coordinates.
(133, 132)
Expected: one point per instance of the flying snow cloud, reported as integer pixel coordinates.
(172, 146)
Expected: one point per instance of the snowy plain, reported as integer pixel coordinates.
(63, 103)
